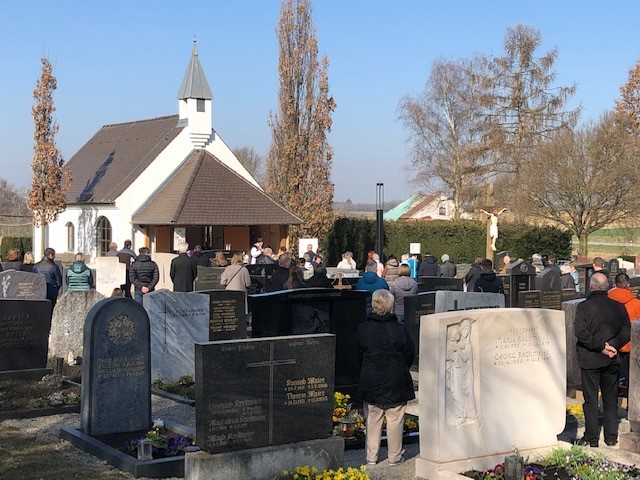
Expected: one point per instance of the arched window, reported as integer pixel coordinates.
(103, 235)
(71, 237)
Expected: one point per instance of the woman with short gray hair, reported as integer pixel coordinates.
(386, 352)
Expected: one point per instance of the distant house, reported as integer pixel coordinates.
(420, 206)
(162, 181)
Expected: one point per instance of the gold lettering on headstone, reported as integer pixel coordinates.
(223, 316)
(306, 390)
(522, 346)
(117, 367)
(121, 330)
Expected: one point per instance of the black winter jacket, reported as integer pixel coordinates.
(599, 319)
(319, 281)
(183, 272)
(279, 278)
(386, 352)
(144, 273)
(488, 283)
(52, 276)
(472, 277)
(429, 267)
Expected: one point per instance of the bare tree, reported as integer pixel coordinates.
(447, 127)
(527, 107)
(13, 201)
(50, 180)
(585, 179)
(299, 160)
(251, 160)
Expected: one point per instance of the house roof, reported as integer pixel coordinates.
(204, 191)
(116, 155)
(194, 84)
(420, 202)
(400, 209)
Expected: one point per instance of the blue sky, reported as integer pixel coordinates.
(120, 61)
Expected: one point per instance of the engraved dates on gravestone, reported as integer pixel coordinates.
(254, 393)
(227, 317)
(552, 300)
(116, 368)
(208, 278)
(530, 299)
(18, 285)
(24, 333)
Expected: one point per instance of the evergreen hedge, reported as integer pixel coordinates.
(23, 243)
(462, 240)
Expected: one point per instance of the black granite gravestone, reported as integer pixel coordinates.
(520, 275)
(260, 392)
(530, 299)
(432, 284)
(549, 280)
(208, 278)
(18, 285)
(521, 267)
(116, 368)
(551, 300)
(315, 310)
(414, 307)
(24, 334)
(584, 272)
(574, 374)
(227, 317)
(613, 266)
(569, 294)
(634, 285)
(261, 278)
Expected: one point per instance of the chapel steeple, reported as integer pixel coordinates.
(194, 98)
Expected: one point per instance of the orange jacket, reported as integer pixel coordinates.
(630, 302)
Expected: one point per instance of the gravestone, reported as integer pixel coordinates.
(613, 266)
(18, 285)
(24, 335)
(427, 303)
(550, 284)
(315, 310)
(109, 274)
(432, 284)
(520, 277)
(208, 278)
(479, 370)
(584, 272)
(116, 368)
(177, 321)
(227, 317)
(164, 269)
(530, 299)
(574, 375)
(634, 285)
(260, 392)
(67, 322)
(631, 441)
(569, 294)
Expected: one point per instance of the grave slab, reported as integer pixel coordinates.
(479, 371)
(116, 368)
(574, 375)
(177, 321)
(19, 285)
(208, 278)
(227, 317)
(110, 274)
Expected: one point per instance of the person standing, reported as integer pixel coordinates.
(447, 267)
(256, 250)
(429, 266)
(126, 256)
(473, 275)
(370, 280)
(601, 327)
(79, 277)
(52, 275)
(623, 294)
(386, 352)
(236, 276)
(113, 250)
(488, 281)
(403, 286)
(183, 270)
(27, 262)
(144, 274)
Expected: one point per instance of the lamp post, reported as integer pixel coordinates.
(379, 219)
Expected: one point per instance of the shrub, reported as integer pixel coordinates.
(23, 243)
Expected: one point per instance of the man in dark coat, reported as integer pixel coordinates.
(602, 327)
(144, 274)
(473, 274)
(52, 275)
(183, 270)
(488, 281)
(201, 258)
(126, 256)
(280, 275)
(429, 266)
(447, 267)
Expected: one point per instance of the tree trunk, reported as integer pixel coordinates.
(583, 248)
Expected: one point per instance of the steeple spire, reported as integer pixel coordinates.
(194, 84)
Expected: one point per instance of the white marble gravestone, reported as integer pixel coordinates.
(110, 274)
(491, 380)
(177, 321)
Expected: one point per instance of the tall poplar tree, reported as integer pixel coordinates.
(51, 180)
(299, 159)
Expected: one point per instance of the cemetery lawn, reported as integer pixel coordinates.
(31, 394)
(22, 453)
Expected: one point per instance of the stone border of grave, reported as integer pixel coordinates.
(359, 443)
(173, 396)
(39, 412)
(157, 468)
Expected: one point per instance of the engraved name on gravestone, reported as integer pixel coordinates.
(18, 285)
(432, 284)
(530, 299)
(478, 367)
(551, 300)
(227, 317)
(178, 320)
(116, 368)
(208, 278)
(24, 334)
(110, 274)
(254, 393)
